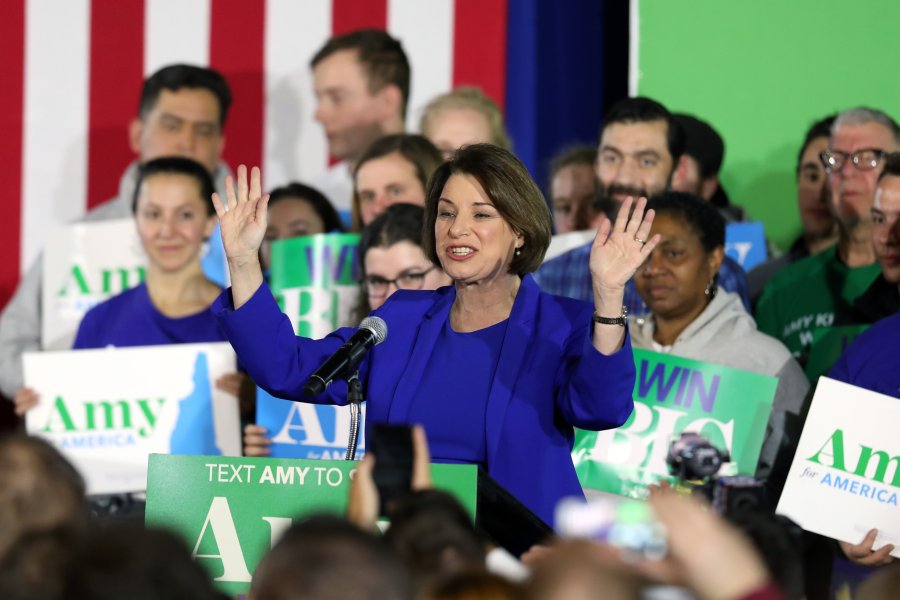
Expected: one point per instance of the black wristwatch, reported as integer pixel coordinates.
(620, 320)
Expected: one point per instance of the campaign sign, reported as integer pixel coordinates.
(729, 407)
(845, 478)
(230, 511)
(305, 430)
(745, 243)
(87, 263)
(315, 280)
(108, 409)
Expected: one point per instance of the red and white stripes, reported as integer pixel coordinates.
(72, 72)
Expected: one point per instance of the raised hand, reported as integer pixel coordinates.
(243, 219)
(243, 222)
(620, 248)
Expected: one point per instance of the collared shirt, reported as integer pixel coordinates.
(569, 275)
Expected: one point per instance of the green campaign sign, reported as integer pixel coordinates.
(230, 510)
(827, 346)
(315, 279)
(728, 406)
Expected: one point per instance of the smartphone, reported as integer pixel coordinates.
(393, 450)
(621, 522)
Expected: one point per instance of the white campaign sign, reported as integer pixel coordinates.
(85, 264)
(845, 478)
(107, 410)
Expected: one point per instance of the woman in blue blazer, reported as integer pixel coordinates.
(496, 371)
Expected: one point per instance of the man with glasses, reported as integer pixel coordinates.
(805, 296)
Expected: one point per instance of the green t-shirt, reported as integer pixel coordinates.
(805, 296)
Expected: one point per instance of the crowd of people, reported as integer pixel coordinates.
(512, 320)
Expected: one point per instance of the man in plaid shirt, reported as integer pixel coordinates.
(641, 147)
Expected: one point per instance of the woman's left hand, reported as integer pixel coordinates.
(620, 248)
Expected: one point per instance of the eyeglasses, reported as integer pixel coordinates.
(865, 159)
(377, 286)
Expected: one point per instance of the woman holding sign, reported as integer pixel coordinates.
(692, 318)
(497, 371)
(172, 306)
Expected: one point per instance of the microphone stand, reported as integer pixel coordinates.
(355, 397)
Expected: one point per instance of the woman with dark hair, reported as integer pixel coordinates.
(496, 371)
(691, 317)
(820, 230)
(296, 210)
(173, 219)
(173, 215)
(392, 258)
(395, 169)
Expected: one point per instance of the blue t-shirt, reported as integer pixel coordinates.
(131, 319)
(450, 370)
(872, 360)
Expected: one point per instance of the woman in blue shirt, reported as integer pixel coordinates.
(497, 372)
(174, 217)
(171, 306)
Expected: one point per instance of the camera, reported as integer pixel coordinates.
(692, 458)
(696, 463)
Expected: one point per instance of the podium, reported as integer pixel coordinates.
(504, 520)
(231, 510)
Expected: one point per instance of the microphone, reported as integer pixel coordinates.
(372, 331)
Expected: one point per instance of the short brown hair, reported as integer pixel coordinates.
(40, 491)
(474, 99)
(381, 57)
(514, 193)
(416, 149)
(575, 155)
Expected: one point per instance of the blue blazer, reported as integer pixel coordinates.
(549, 377)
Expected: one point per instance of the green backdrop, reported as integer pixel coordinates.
(761, 72)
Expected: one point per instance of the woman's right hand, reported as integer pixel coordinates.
(243, 223)
(24, 400)
(243, 219)
(256, 442)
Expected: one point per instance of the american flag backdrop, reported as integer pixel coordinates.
(71, 72)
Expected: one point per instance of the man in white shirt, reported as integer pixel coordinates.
(362, 82)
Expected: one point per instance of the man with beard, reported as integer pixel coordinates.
(641, 147)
